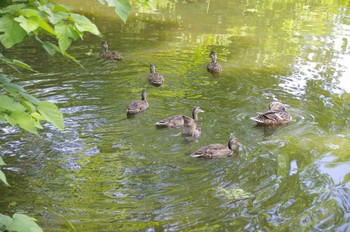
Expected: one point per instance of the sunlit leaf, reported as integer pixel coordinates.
(84, 24)
(2, 161)
(44, 25)
(4, 79)
(21, 64)
(11, 32)
(3, 179)
(13, 88)
(24, 120)
(38, 116)
(58, 17)
(52, 114)
(10, 120)
(122, 7)
(65, 34)
(22, 223)
(9, 104)
(28, 24)
(12, 8)
(30, 98)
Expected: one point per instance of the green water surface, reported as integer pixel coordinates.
(107, 172)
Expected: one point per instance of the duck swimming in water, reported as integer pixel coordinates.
(155, 78)
(190, 130)
(218, 150)
(177, 120)
(214, 67)
(138, 105)
(112, 55)
(276, 115)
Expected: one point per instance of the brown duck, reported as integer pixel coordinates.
(218, 150)
(214, 67)
(155, 78)
(190, 130)
(177, 120)
(276, 115)
(112, 55)
(138, 105)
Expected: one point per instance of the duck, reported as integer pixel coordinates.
(214, 67)
(276, 115)
(217, 150)
(112, 55)
(138, 105)
(155, 78)
(177, 120)
(190, 130)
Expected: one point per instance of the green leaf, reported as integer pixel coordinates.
(38, 116)
(28, 24)
(58, 17)
(4, 78)
(23, 223)
(30, 98)
(2, 118)
(8, 103)
(44, 25)
(10, 120)
(65, 34)
(49, 47)
(24, 120)
(122, 7)
(84, 24)
(13, 88)
(3, 179)
(2, 162)
(12, 32)
(52, 114)
(21, 64)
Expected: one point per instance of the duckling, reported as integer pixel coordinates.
(276, 115)
(190, 130)
(214, 67)
(177, 120)
(155, 78)
(218, 150)
(139, 105)
(112, 55)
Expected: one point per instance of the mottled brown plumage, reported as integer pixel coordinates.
(214, 67)
(155, 78)
(138, 105)
(276, 115)
(112, 55)
(217, 150)
(177, 120)
(190, 130)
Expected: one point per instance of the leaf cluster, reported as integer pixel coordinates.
(20, 108)
(19, 223)
(45, 21)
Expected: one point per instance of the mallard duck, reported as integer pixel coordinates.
(155, 78)
(218, 150)
(276, 115)
(177, 120)
(190, 130)
(213, 67)
(139, 105)
(109, 54)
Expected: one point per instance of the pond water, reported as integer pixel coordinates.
(107, 172)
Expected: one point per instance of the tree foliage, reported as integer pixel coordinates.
(19, 223)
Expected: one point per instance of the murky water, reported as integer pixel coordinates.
(106, 172)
